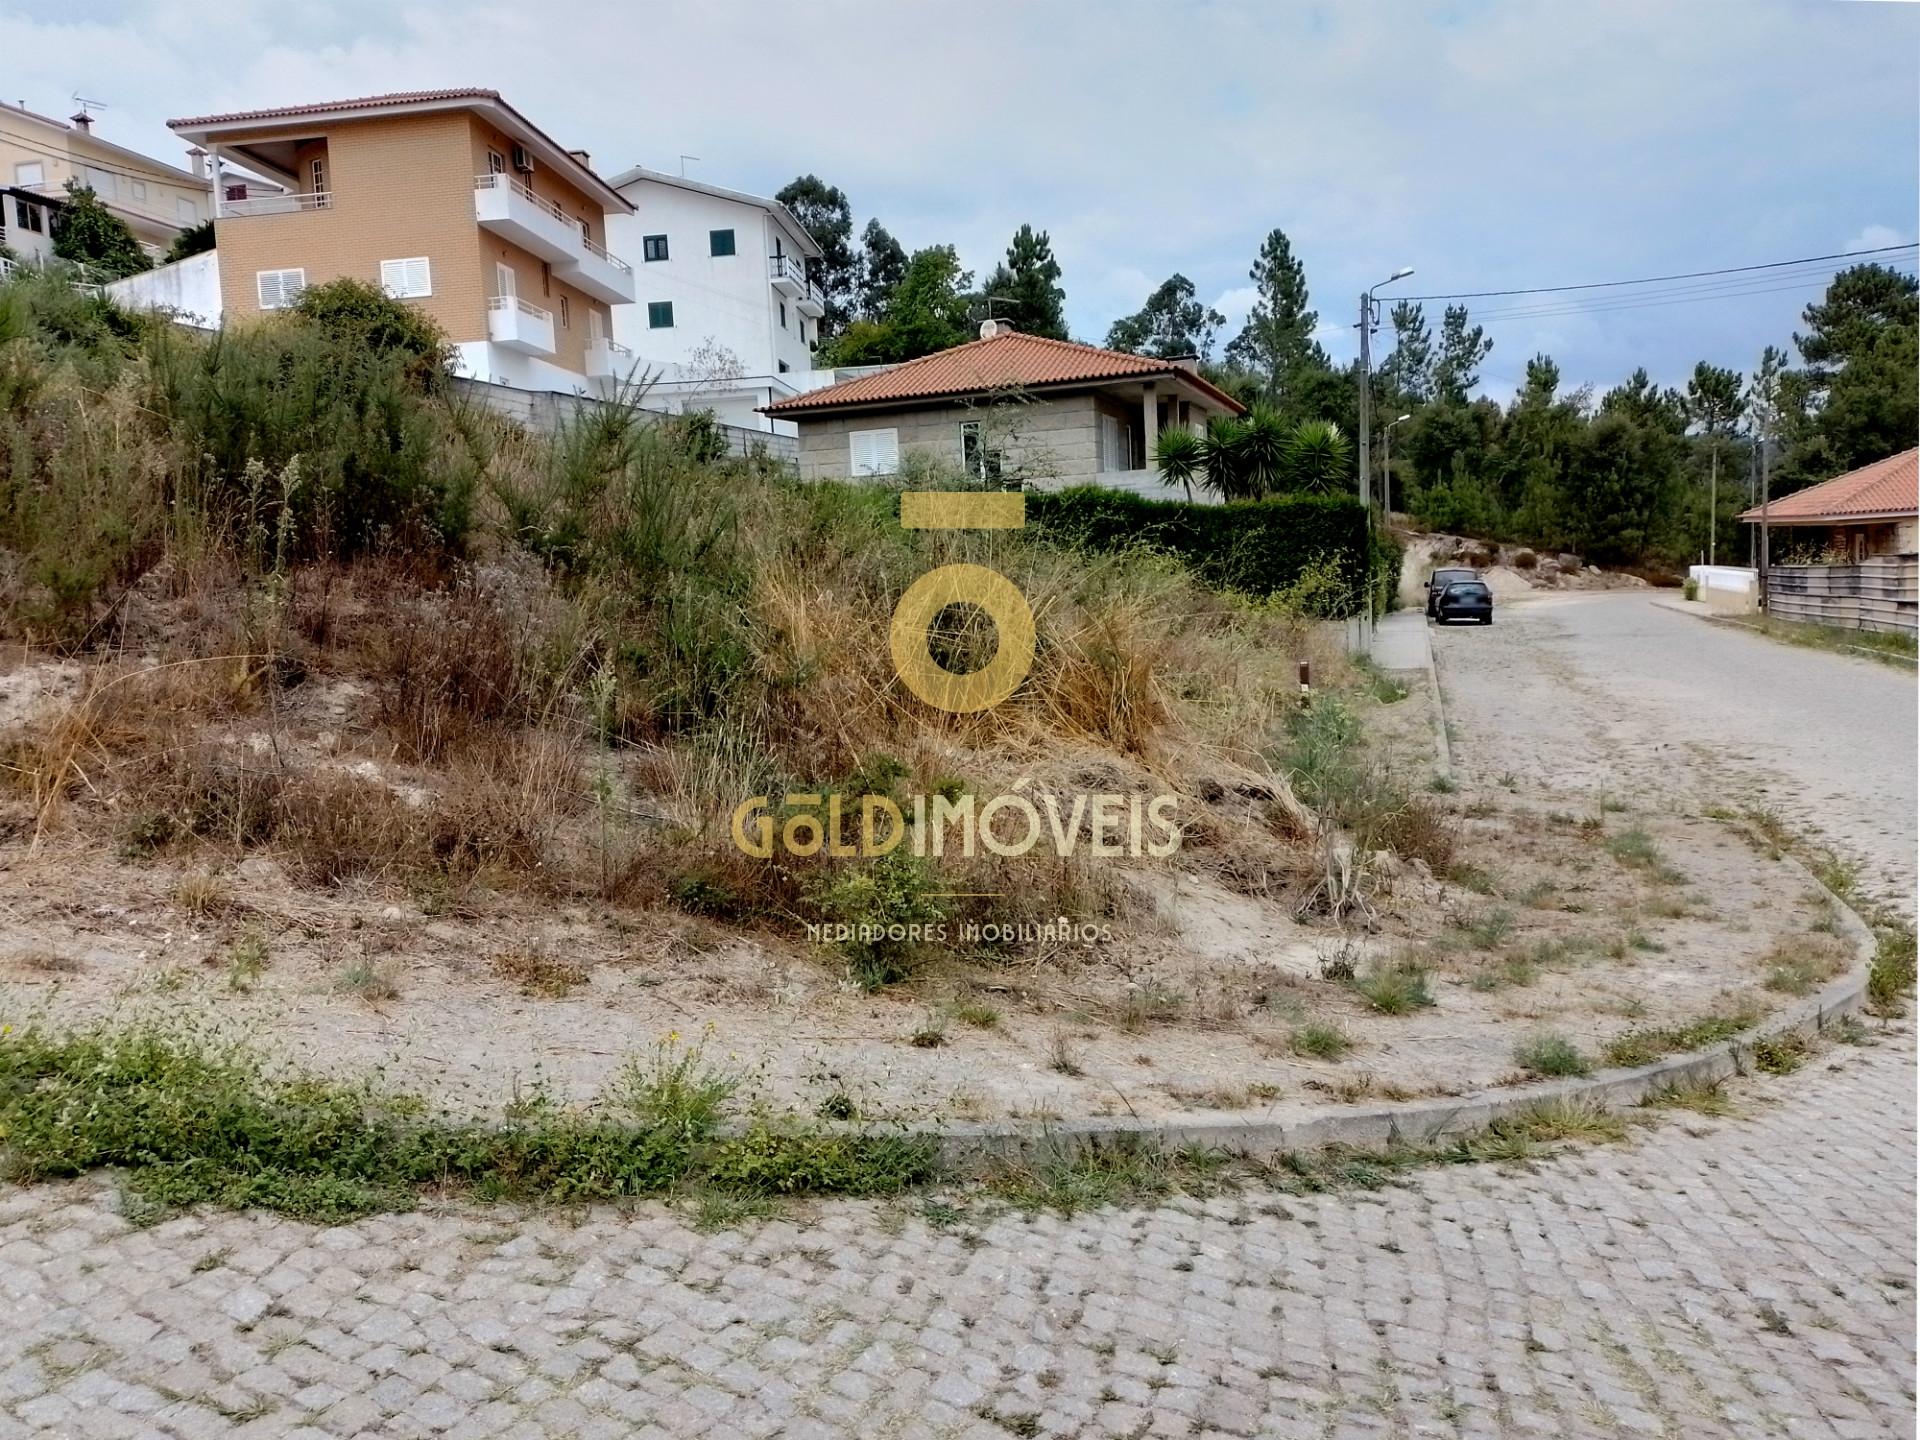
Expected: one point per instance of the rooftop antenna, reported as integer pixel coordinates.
(87, 107)
(683, 164)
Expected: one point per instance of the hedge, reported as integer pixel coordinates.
(1253, 546)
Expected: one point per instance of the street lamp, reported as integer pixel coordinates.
(1369, 318)
(1386, 465)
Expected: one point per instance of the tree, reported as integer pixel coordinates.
(1277, 341)
(88, 233)
(824, 214)
(1645, 403)
(1172, 322)
(1317, 458)
(194, 240)
(1408, 370)
(1457, 369)
(1620, 484)
(883, 264)
(1857, 399)
(1712, 405)
(1543, 379)
(1029, 282)
(927, 311)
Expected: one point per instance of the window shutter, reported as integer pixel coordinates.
(278, 289)
(406, 278)
(873, 452)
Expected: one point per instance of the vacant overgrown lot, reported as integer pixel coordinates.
(340, 717)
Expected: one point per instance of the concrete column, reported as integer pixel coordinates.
(1149, 423)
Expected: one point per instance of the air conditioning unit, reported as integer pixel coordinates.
(523, 159)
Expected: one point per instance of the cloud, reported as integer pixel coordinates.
(1503, 144)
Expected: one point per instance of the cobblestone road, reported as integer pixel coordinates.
(1740, 1277)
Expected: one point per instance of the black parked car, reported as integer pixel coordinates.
(1465, 600)
(1439, 581)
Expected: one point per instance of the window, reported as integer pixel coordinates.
(30, 172)
(496, 163)
(653, 247)
(783, 314)
(317, 173)
(586, 232)
(407, 279)
(660, 315)
(596, 326)
(784, 367)
(27, 217)
(720, 242)
(279, 288)
(99, 181)
(981, 460)
(139, 189)
(566, 319)
(186, 211)
(505, 283)
(873, 452)
(546, 278)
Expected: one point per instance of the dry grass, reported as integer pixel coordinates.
(538, 973)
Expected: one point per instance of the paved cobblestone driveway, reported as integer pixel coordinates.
(1743, 1277)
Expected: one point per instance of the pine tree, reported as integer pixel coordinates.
(1277, 340)
(1029, 282)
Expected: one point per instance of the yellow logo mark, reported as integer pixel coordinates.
(962, 584)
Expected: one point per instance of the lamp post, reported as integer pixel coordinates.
(1370, 318)
(1386, 465)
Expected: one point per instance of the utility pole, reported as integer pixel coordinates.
(1370, 317)
(1766, 550)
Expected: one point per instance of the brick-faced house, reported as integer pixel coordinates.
(450, 199)
(1846, 552)
(1024, 409)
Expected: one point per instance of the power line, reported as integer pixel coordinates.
(1659, 279)
(1686, 295)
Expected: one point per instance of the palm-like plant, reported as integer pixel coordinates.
(1316, 458)
(1220, 456)
(1181, 456)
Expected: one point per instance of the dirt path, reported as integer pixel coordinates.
(1592, 695)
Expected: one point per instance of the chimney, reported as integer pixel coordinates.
(84, 121)
(583, 157)
(198, 159)
(1189, 363)
(990, 327)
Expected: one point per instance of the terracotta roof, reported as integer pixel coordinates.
(365, 102)
(1886, 487)
(998, 363)
(558, 154)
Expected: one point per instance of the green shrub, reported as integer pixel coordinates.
(1550, 1055)
(1320, 1039)
(1257, 547)
(882, 901)
(1394, 987)
(1690, 589)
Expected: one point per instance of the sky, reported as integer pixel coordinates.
(1490, 144)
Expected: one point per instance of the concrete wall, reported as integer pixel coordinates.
(1727, 589)
(545, 410)
(722, 301)
(1050, 443)
(189, 288)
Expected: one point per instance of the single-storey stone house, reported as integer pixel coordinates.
(1019, 409)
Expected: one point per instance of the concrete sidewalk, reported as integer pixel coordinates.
(1401, 643)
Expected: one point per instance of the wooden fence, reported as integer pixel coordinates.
(1878, 594)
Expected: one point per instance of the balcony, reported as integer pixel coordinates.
(608, 360)
(292, 203)
(509, 209)
(603, 276)
(514, 323)
(787, 275)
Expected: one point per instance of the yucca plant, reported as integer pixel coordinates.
(1316, 458)
(1181, 456)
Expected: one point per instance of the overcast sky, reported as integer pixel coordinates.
(1489, 144)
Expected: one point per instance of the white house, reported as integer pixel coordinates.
(724, 316)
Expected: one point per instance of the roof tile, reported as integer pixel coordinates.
(1886, 487)
(364, 102)
(1011, 360)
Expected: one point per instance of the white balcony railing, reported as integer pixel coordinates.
(519, 325)
(509, 207)
(608, 360)
(291, 204)
(788, 275)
